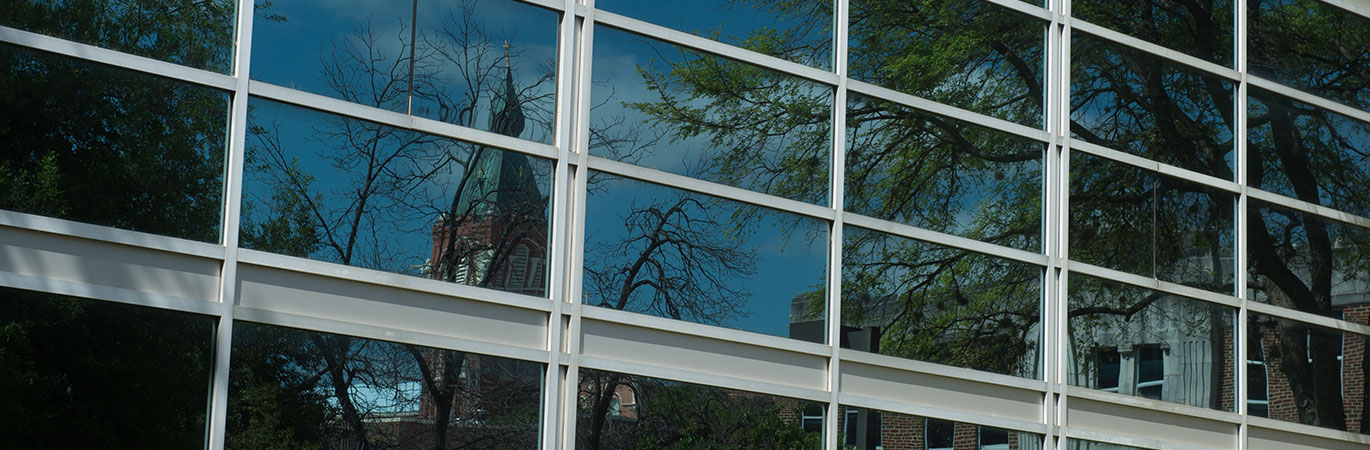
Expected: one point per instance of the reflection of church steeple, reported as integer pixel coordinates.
(495, 235)
(506, 111)
(503, 180)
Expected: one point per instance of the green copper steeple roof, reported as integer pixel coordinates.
(501, 181)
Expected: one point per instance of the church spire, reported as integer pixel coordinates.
(501, 180)
(506, 111)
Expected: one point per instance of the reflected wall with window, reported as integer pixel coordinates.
(1151, 344)
(670, 414)
(871, 429)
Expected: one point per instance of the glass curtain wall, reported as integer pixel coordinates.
(852, 224)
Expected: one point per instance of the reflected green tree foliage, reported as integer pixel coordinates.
(111, 147)
(915, 167)
(972, 55)
(195, 33)
(779, 126)
(649, 413)
(1313, 46)
(903, 165)
(1203, 29)
(78, 373)
(918, 300)
(1297, 259)
(89, 143)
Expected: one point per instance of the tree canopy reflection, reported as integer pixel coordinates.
(1125, 100)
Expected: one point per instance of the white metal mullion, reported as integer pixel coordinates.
(934, 412)
(1309, 430)
(1157, 51)
(316, 323)
(700, 377)
(1353, 6)
(107, 293)
(698, 43)
(1308, 318)
(1301, 96)
(923, 104)
(223, 339)
(1059, 195)
(578, 134)
(944, 239)
(1153, 166)
(837, 187)
(1239, 341)
(552, 380)
(1153, 284)
(105, 234)
(87, 52)
(675, 181)
(387, 279)
(1024, 8)
(1307, 207)
(340, 107)
(556, 5)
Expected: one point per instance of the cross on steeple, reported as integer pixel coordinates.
(506, 54)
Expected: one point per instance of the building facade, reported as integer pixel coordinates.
(864, 224)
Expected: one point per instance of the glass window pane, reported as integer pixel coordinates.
(1133, 220)
(699, 115)
(1257, 389)
(489, 65)
(917, 300)
(870, 429)
(112, 147)
(1202, 29)
(796, 31)
(1310, 45)
(671, 253)
(352, 192)
(969, 54)
(78, 373)
(196, 33)
(943, 174)
(1109, 366)
(940, 434)
(1308, 263)
(1309, 153)
(359, 54)
(672, 414)
(1307, 379)
(1136, 341)
(1131, 101)
(306, 389)
(1150, 372)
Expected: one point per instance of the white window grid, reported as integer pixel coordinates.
(565, 317)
